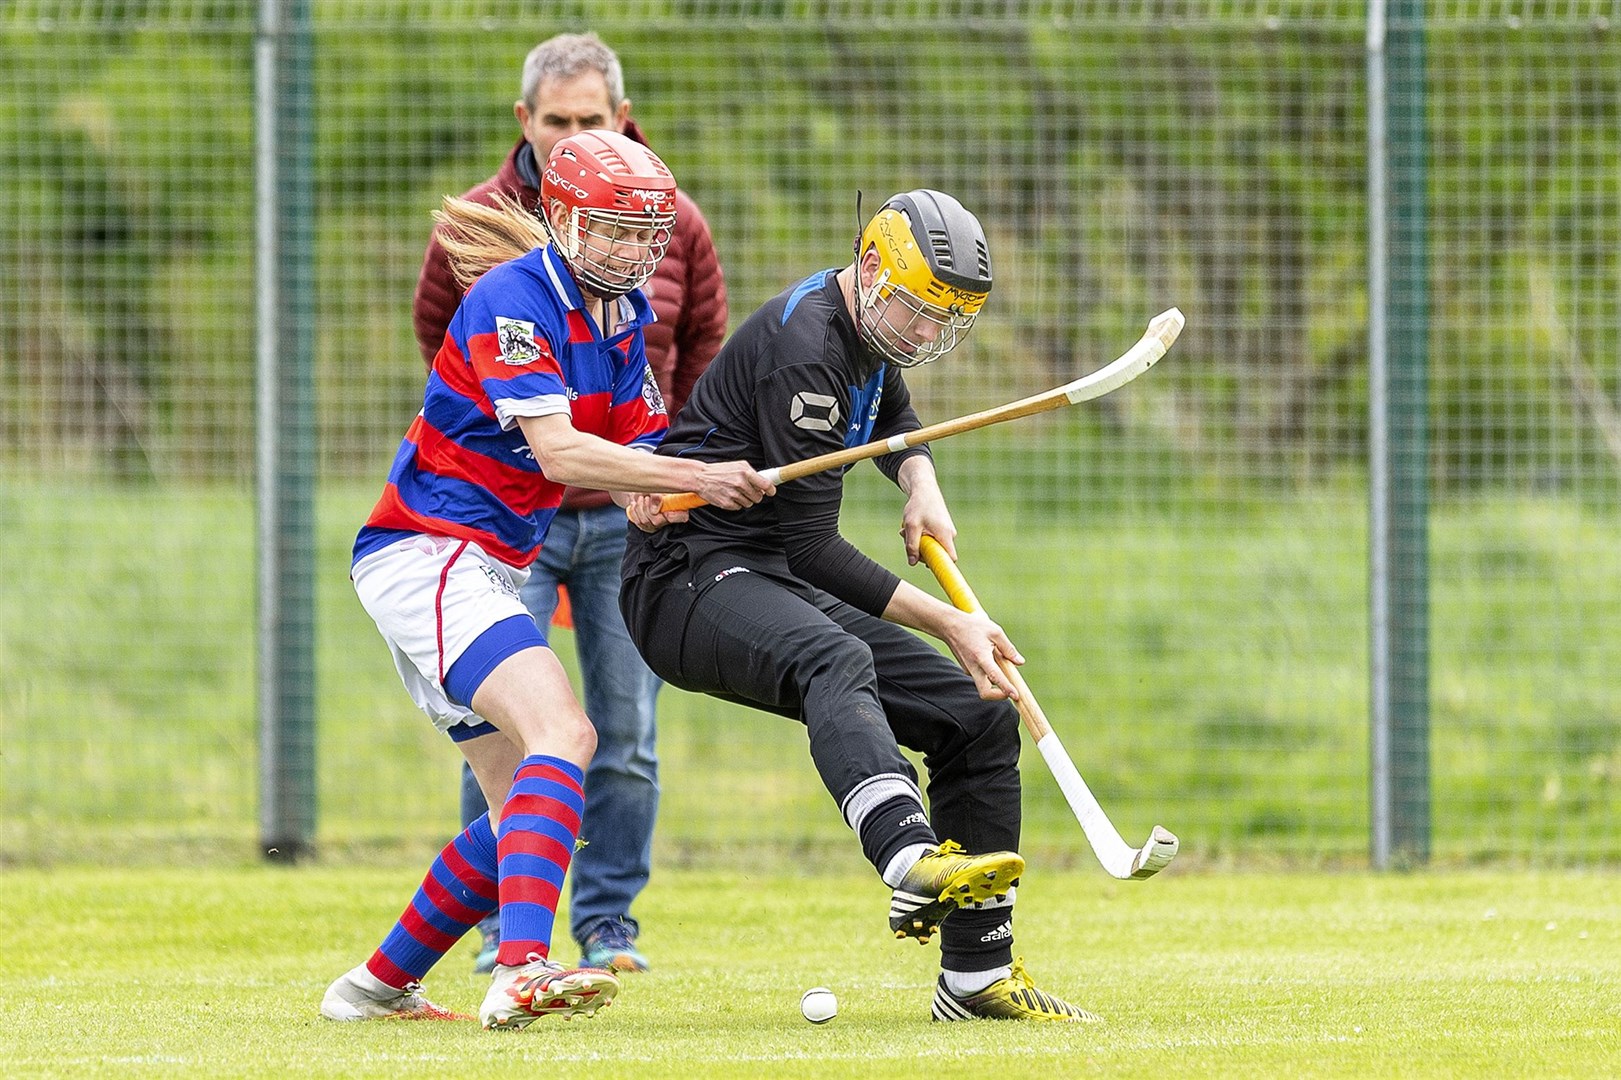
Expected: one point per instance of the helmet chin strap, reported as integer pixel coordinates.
(858, 290)
(594, 292)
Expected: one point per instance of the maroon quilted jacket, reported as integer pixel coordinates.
(687, 291)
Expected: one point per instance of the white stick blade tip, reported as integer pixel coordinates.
(1156, 854)
(1167, 325)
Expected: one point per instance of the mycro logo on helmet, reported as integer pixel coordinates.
(651, 197)
(886, 226)
(958, 300)
(554, 177)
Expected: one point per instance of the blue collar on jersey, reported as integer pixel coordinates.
(634, 312)
(818, 280)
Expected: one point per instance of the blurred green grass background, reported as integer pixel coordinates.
(1206, 668)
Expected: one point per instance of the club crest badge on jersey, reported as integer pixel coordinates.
(517, 341)
(650, 393)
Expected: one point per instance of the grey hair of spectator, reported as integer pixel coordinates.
(568, 55)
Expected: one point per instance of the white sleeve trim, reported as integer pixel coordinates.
(507, 410)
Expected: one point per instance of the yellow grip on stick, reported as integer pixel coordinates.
(946, 573)
(963, 599)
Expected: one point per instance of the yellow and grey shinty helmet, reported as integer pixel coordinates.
(934, 272)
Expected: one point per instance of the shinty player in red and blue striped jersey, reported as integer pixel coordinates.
(542, 382)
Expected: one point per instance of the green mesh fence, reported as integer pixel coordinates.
(1183, 563)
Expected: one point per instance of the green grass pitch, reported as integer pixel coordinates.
(218, 972)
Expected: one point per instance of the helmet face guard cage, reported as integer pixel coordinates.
(934, 272)
(907, 330)
(612, 252)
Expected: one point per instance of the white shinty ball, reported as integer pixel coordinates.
(819, 1005)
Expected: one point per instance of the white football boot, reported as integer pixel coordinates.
(357, 994)
(521, 995)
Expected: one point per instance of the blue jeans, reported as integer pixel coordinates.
(583, 550)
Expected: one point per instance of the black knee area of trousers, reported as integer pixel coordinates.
(891, 826)
(977, 939)
(974, 789)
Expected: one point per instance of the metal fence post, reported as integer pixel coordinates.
(1398, 457)
(285, 421)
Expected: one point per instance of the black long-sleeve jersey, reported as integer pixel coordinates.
(792, 383)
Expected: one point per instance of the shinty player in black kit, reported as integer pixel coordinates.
(772, 607)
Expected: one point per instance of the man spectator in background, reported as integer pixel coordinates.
(572, 83)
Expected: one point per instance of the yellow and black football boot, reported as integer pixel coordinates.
(944, 880)
(1012, 998)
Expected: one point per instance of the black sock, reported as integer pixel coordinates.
(977, 939)
(892, 825)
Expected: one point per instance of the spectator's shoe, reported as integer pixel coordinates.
(1012, 998)
(946, 879)
(490, 944)
(360, 995)
(521, 995)
(612, 947)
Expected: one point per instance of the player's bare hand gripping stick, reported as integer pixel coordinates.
(1162, 331)
(1117, 858)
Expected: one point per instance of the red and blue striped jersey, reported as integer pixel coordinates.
(520, 344)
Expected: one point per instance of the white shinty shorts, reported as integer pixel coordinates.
(432, 597)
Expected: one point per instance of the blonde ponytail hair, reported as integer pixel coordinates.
(478, 237)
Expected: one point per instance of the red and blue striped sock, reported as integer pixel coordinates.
(535, 840)
(460, 889)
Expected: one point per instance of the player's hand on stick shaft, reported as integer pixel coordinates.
(732, 485)
(915, 525)
(976, 642)
(644, 513)
(1118, 858)
(925, 511)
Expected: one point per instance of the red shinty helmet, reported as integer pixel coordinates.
(612, 186)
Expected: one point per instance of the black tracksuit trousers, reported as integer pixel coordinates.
(746, 630)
